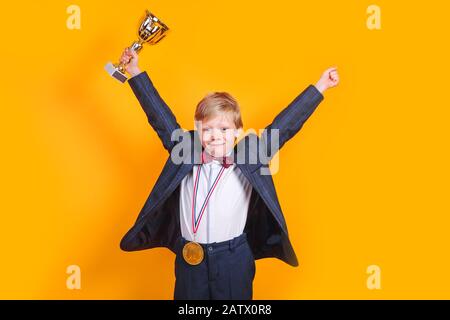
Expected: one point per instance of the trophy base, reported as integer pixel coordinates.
(115, 73)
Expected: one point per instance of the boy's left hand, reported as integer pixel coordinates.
(329, 79)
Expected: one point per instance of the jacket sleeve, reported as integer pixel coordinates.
(158, 113)
(289, 121)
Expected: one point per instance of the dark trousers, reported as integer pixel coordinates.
(226, 272)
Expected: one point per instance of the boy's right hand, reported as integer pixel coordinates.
(129, 59)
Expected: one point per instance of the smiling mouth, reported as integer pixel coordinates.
(215, 145)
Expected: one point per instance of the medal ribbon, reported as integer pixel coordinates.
(195, 221)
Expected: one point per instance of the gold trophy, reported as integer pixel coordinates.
(151, 31)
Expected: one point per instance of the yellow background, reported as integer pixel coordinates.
(364, 182)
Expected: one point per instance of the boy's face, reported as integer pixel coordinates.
(218, 135)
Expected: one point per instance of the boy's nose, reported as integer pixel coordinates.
(215, 138)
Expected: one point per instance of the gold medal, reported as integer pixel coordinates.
(193, 253)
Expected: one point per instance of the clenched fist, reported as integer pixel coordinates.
(129, 59)
(329, 79)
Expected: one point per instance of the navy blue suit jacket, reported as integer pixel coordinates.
(158, 223)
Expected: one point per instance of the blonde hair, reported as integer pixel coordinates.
(217, 103)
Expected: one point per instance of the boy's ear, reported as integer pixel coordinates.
(197, 125)
(237, 132)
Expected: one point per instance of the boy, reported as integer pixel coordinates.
(215, 213)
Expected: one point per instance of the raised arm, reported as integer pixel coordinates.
(291, 119)
(159, 115)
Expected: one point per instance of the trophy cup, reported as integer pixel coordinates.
(151, 31)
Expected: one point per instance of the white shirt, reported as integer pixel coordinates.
(226, 212)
